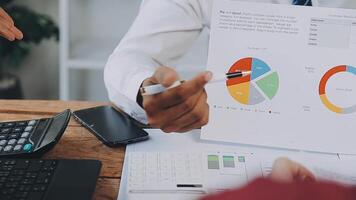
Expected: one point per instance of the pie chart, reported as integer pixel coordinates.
(322, 89)
(262, 84)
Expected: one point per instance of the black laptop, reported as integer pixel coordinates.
(36, 179)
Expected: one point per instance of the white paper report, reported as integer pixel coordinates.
(301, 93)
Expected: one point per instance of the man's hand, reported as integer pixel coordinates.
(179, 109)
(8, 29)
(285, 170)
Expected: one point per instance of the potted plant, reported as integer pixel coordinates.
(35, 27)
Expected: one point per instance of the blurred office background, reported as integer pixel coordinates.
(72, 69)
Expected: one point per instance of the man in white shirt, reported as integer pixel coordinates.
(163, 31)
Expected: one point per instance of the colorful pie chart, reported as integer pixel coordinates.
(322, 89)
(255, 88)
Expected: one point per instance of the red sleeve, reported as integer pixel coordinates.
(269, 190)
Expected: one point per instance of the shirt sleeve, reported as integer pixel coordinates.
(163, 30)
(270, 190)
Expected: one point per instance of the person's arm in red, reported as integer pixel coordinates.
(288, 181)
(268, 189)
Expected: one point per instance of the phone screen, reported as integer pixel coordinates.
(110, 126)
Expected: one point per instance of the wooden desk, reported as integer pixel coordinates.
(76, 143)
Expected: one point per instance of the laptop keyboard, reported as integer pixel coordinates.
(25, 179)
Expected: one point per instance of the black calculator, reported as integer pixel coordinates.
(32, 138)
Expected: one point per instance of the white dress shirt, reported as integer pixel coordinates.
(163, 31)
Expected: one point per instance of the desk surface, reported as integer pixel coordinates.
(76, 143)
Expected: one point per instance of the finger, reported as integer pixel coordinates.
(4, 15)
(155, 111)
(285, 170)
(165, 76)
(179, 94)
(302, 173)
(5, 23)
(7, 34)
(193, 116)
(282, 170)
(18, 34)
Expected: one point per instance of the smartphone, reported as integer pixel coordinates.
(110, 126)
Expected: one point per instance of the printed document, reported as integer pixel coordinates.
(301, 93)
(160, 168)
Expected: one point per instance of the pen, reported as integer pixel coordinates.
(158, 88)
(168, 191)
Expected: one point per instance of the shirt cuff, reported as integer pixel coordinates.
(131, 90)
(126, 100)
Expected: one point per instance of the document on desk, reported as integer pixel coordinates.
(301, 93)
(160, 168)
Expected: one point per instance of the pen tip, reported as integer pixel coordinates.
(247, 72)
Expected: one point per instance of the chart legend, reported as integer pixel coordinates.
(322, 89)
(255, 88)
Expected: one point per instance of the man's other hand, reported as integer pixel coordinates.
(8, 29)
(178, 109)
(285, 170)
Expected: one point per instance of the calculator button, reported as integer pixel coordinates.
(9, 125)
(1, 147)
(17, 147)
(8, 148)
(27, 147)
(32, 122)
(12, 141)
(3, 142)
(14, 136)
(28, 128)
(3, 137)
(21, 124)
(2, 124)
(5, 130)
(17, 130)
(21, 141)
(25, 134)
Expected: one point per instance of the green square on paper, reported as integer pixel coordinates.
(241, 158)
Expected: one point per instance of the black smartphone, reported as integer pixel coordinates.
(110, 126)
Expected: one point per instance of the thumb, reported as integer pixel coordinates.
(165, 76)
(285, 170)
(199, 81)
